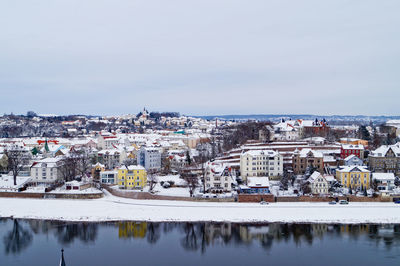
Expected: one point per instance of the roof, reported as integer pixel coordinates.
(353, 168)
(260, 152)
(306, 152)
(352, 147)
(383, 176)
(132, 167)
(382, 150)
(259, 181)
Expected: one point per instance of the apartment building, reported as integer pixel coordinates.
(261, 163)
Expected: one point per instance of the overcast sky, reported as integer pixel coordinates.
(200, 57)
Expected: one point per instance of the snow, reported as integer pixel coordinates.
(62, 190)
(111, 208)
(7, 182)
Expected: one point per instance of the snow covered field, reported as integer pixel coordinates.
(111, 208)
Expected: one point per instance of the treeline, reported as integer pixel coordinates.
(238, 134)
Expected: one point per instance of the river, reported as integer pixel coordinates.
(37, 242)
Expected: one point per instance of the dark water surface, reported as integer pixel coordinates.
(35, 242)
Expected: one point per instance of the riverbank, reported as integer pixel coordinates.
(112, 208)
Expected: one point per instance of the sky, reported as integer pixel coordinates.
(200, 57)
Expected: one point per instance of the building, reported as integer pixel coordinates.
(107, 142)
(109, 177)
(385, 159)
(256, 185)
(354, 141)
(111, 158)
(149, 158)
(384, 181)
(307, 158)
(261, 163)
(318, 183)
(355, 177)
(351, 149)
(132, 177)
(219, 177)
(353, 160)
(46, 171)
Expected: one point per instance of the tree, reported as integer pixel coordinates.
(363, 133)
(192, 181)
(285, 180)
(188, 159)
(151, 180)
(31, 114)
(17, 159)
(305, 187)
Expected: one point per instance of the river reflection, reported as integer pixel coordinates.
(19, 235)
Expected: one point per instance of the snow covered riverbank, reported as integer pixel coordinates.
(111, 208)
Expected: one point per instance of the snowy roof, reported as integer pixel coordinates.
(382, 150)
(352, 147)
(315, 176)
(132, 167)
(260, 152)
(383, 176)
(309, 152)
(260, 181)
(353, 168)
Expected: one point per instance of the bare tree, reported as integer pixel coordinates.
(151, 180)
(192, 181)
(17, 159)
(68, 168)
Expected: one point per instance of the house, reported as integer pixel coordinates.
(76, 185)
(384, 181)
(318, 183)
(261, 163)
(149, 158)
(256, 185)
(219, 177)
(46, 171)
(111, 158)
(132, 177)
(385, 159)
(354, 141)
(307, 158)
(355, 177)
(107, 141)
(353, 160)
(351, 149)
(96, 170)
(109, 177)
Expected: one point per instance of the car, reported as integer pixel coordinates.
(332, 202)
(263, 202)
(343, 202)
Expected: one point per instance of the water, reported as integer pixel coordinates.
(35, 242)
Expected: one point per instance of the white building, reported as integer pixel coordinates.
(261, 163)
(149, 158)
(46, 170)
(385, 181)
(318, 183)
(219, 177)
(109, 177)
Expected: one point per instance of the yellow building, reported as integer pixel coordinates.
(356, 177)
(132, 177)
